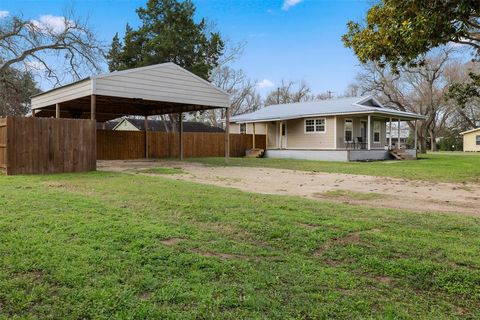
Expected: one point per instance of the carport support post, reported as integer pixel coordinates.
(93, 106)
(390, 135)
(180, 136)
(57, 110)
(146, 137)
(227, 134)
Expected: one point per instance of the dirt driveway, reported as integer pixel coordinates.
(346, 188)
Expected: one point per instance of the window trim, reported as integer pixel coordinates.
(345, 130)
(379, 131)
(477, 140)
(315, 125)
(240, 128)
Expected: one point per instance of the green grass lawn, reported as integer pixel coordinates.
(443, 167)
(118, 246)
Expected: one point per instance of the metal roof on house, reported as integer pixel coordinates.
(340, 106)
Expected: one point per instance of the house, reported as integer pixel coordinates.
(345, 129)
(471, 140)
(131, 124)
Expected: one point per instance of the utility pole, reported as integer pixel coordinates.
(329, 94)
(278, 95)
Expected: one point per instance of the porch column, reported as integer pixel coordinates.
(253, 137)
(281, 135)
(266, 136)
(369, 138)
(57, 110)
(146, 137)
(390, 135)
(416, 146)
(93, 106)
(180, 136)
(227, 134)
(398, 140)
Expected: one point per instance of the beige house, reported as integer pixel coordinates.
(471, 140)
(338, 129)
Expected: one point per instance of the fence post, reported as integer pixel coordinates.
(227, 134)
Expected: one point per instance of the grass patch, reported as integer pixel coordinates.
(442, 167)
(112, 245)
(339, 193)
(162, 170)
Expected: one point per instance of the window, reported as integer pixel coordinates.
(377, 127)
(243, 128)
(314, 125)
(348, 130)
(478, 140)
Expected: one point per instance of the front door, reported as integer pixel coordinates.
(283, 135)
(363, 132)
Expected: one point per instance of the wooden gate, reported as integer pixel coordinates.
(47, 145)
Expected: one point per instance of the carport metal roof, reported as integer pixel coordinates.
(152, 90)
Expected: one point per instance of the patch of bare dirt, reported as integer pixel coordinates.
(351, 238)
(220, 255)
(145, 295)
(171, 242)
(413, 195)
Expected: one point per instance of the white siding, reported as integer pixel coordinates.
(74, 91)
(125, 125)
(164, 82)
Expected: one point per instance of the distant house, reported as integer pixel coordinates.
(471, 140)
(337, 129)
(127, 124)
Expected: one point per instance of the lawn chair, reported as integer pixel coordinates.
(359, 143)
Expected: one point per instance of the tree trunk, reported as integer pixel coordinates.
(422, 144)
(433, 143)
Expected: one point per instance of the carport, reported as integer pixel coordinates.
(147, 91)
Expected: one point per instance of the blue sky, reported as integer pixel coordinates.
(285, 39)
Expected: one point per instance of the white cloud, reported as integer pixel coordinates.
(265, 83)
(287, 4)
(4, 14)
(51, 23)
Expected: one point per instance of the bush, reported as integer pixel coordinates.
(450, 144)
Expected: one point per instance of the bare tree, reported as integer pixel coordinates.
(421, 89)
(289, 92)
(59, 48)
(467, 115)
(244, 97)
(353, 90)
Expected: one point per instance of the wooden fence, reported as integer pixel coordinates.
(112, 145)
(47, 145)
(3, 145)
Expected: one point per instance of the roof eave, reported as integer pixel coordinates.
(411, 116)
